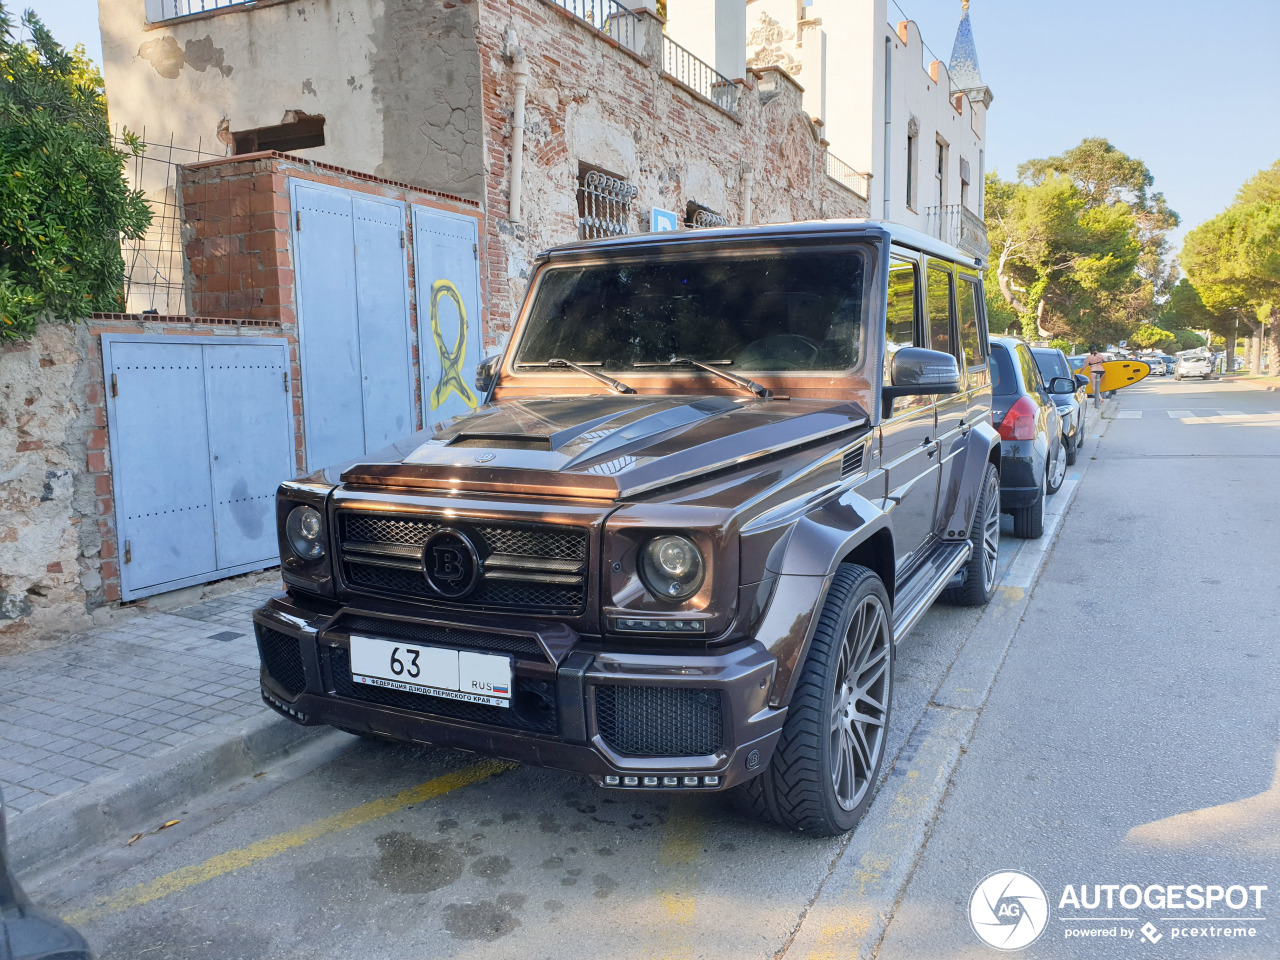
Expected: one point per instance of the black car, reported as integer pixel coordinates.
(1033, 461)
(27, 932)
(1071, 406)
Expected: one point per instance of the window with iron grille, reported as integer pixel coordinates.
(696, 215)
(604, 203)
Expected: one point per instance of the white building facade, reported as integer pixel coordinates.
(885, 105)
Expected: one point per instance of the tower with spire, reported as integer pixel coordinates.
(963, 67)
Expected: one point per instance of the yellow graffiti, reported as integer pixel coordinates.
(450, 360)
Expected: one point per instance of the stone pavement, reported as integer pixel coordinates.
(94, 706)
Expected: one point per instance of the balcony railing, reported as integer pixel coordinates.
(609, 17)
(959, 226)
(158, 10)
(699, 76)
(841, 172)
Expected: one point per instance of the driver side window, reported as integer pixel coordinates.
(901, 323)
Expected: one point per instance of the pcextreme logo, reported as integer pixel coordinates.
(1008, 910)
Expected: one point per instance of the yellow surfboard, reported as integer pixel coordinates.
(1118, 373)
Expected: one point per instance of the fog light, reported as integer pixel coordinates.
(650, 781)
(711, 781)
(690, 781)
(671, 781)
(631, 781)
(610, 781)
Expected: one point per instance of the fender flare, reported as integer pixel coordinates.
(983, 448)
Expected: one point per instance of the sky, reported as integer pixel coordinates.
(1189, 87)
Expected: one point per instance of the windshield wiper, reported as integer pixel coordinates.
(615, 385)
(764, 393)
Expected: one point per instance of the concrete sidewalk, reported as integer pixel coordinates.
(93, 707)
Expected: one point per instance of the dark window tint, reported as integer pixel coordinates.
(1003, 381)
(801, 310)
(940, 310)
(1051, 364)
(969, 317)
(1030, 374)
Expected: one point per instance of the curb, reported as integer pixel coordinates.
(137, 800)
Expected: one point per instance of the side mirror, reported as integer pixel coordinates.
(916, 371)
(487, 372)
(1062, 385)
(1082, 382)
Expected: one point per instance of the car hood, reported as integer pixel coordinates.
(603, 447)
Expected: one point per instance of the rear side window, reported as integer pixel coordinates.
(940, 310)
(1003, 381)
(970, 322)
(1030, 374)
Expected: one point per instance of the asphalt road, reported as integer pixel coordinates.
(1088, 730)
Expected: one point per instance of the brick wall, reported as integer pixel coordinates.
(238, 244)
(591, 100)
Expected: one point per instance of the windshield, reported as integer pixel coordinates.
(1051, 364)
(795, 311)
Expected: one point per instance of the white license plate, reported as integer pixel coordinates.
(434, 671)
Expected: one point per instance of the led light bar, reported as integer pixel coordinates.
(646, 625)
(662, 781)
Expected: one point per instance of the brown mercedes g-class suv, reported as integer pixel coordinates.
(715, 477)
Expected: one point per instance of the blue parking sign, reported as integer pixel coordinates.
(661, 220)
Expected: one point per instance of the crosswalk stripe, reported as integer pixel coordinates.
(1179, 414)
(1129, 415)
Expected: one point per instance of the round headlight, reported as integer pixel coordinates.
(304, 528)
(671, 567)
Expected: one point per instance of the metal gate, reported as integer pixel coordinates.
(201, 434)
(353, 315)
(446, 248)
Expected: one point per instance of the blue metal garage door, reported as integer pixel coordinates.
(448, 287)
(201, 435)
(353, 312)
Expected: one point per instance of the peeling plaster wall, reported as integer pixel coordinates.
(397, 81)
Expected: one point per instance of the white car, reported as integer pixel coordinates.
(1156, 365)
(1193, 367)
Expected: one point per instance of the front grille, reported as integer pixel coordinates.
(440, 636)
(533, 702)
(282, 657)
(543, 568)
(659, 721)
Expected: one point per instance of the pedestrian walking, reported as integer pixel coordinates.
(1094, 361)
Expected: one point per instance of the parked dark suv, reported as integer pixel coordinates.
(713, 480)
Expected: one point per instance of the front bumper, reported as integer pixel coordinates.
(656, 720)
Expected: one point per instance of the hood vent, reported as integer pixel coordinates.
(851, 462)
(501, 442)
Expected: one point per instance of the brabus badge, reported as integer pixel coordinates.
(450, 563)
(485, 457)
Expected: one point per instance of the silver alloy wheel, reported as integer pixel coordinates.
(861, 704)
(1059, 469)
(990, 542)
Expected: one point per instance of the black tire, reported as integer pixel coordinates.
(798, 789)
(1028, 522)
(980, 572)
(1073, 445)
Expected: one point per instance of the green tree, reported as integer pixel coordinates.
(1233, 260)
(1148, 336)
(1063, 265)
(64, 202)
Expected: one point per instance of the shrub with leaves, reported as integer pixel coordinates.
(64, 200)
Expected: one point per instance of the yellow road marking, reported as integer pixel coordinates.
(196, 874)
(678, 859)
